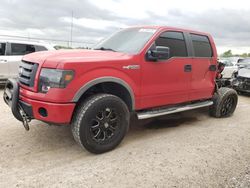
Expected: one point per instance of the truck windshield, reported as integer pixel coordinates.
(127, 41)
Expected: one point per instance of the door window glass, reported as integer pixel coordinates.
(227, 63)
(175, 41)
(40, 48)
(21, 49)
(201, 45)
(2, 48)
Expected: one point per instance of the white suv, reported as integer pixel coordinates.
(11, 53)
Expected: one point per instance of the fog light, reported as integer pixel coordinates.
(43, 112)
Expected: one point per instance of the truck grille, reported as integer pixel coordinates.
(27, 73)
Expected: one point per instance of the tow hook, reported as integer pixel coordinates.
(25, 118)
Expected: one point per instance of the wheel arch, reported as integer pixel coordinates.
(126, 94)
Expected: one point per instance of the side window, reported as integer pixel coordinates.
(202, 46)
(21, 49)
(40, 48)
(228, 63)
(175, 41)
(2, 48)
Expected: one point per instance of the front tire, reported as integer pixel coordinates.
(225, 102)
(100, 123)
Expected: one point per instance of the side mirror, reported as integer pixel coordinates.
(159, 53)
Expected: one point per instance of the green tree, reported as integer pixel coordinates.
(58, 47)
(227, 53)
(244, 55)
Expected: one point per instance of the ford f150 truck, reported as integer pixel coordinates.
(148, 71)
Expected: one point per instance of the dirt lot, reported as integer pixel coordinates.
(184, 150)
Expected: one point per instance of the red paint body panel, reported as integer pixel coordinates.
(202, 81)
(57, 113)
(154, 84)
(164, 83)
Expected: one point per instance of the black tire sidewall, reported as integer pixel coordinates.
(219, 98)
(112, 102)
(229, 94)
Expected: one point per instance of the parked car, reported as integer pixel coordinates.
(147, 71)
(243, 62)
(11, 53)
(230, 66)
(241, 80)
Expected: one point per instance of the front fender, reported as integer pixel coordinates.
(94, 77)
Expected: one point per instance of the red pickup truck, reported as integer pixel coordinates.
(149, 71)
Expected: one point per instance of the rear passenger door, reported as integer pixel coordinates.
(203, 68)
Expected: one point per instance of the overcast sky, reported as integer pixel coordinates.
(227, 21)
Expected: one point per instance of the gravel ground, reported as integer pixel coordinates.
(188, 149)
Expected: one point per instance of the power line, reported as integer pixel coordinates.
(46, 39)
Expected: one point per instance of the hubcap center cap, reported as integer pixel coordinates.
(106, 125)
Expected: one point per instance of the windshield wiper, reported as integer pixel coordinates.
(105, 49)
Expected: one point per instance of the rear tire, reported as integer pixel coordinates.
(225, 102)
(100, 123)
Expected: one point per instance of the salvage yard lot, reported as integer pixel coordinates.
(188, 149)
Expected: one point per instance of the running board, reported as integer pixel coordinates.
(171, 110)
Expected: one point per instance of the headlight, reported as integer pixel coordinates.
(54, 78)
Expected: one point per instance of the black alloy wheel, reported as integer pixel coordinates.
(104, 125)
(100, 123)
(225, 101)
(228, 105)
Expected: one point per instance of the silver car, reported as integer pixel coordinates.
(230, 66)
(241, 80)
(11, 53)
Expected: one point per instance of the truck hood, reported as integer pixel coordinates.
(51, 59)
(244, 72)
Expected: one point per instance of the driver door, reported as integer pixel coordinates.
(166, 82)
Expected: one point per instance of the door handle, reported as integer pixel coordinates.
(187, 68)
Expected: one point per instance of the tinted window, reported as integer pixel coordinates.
(21, 49)
(2, 48)
(227, 63)
(240, 60)
(40, 48)
(202, 47)
(247, 60)
(175, 41)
